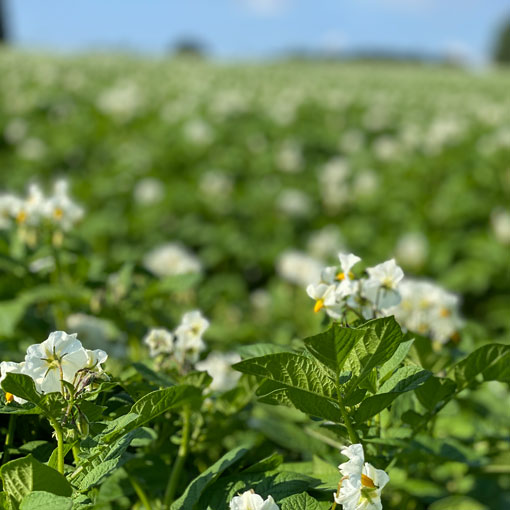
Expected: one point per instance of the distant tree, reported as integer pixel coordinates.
(3, 23)
(189, 48)
(502, 46)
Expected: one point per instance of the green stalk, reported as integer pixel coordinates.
(179, 461)
(140, 493)
(9, 438)
(352, 433)
(60, 444)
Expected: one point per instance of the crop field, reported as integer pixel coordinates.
(278, 286)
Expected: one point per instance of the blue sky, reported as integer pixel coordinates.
(259, 28)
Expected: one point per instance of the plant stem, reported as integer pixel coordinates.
(140, 493)
(352, 433)
(60, 444)
(9, 438)
(179, 461)
(76, 454)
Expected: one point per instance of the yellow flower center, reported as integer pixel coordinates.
(319, 305)
(366, 481)
(21, 217)
(9, 397)
(444, 312)
(341, 275)
(58, 213)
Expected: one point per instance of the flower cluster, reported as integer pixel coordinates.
(361, 484)
(57, 210)
(185, 343)
(339, 290)
(428, 309)
(60, 359)
(249, 500)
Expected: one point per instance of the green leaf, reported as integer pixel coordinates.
(434, 391)
(301, 501)
(296, 380)
(334, 345)
(457, 503)
(405, 379)
(23, 386)
(257, 350)
(150, 406)
(195, 489)
(491, 362)
(41, 500)
(396, 359)
(25, 475)
(378, 343)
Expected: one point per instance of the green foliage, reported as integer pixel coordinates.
(22, 476)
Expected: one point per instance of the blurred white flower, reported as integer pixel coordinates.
(294, 202)
(500, 222)
(412, 249)
(334, 187)
(290, 158)
(427, 309)
(298, 267)
(188, 336)
(250, 501)
(219, 367)
(346, 286)
(361, 484)
(60, 209)
(197, 131)
(171, 259)
(121, 101)
(149, 191)
(15, 130)
(159, 341)
(325, 241)
(32, 149)
(42, 264)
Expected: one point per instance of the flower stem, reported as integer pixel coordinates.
(9, 438)
(60, 444)
(179, 461)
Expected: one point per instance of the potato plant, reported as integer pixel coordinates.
(183, 322)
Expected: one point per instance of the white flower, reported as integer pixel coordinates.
(59, 357)
(250, 501)
(9, 367)
(347, 285)
(171, 259)
(30, 210)
(218, 366)
(427, 309)
(189, 343)
(381, 286)
(60, 208)
(159, 341)
(325, 297)
(95, 358)
(362, 484)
